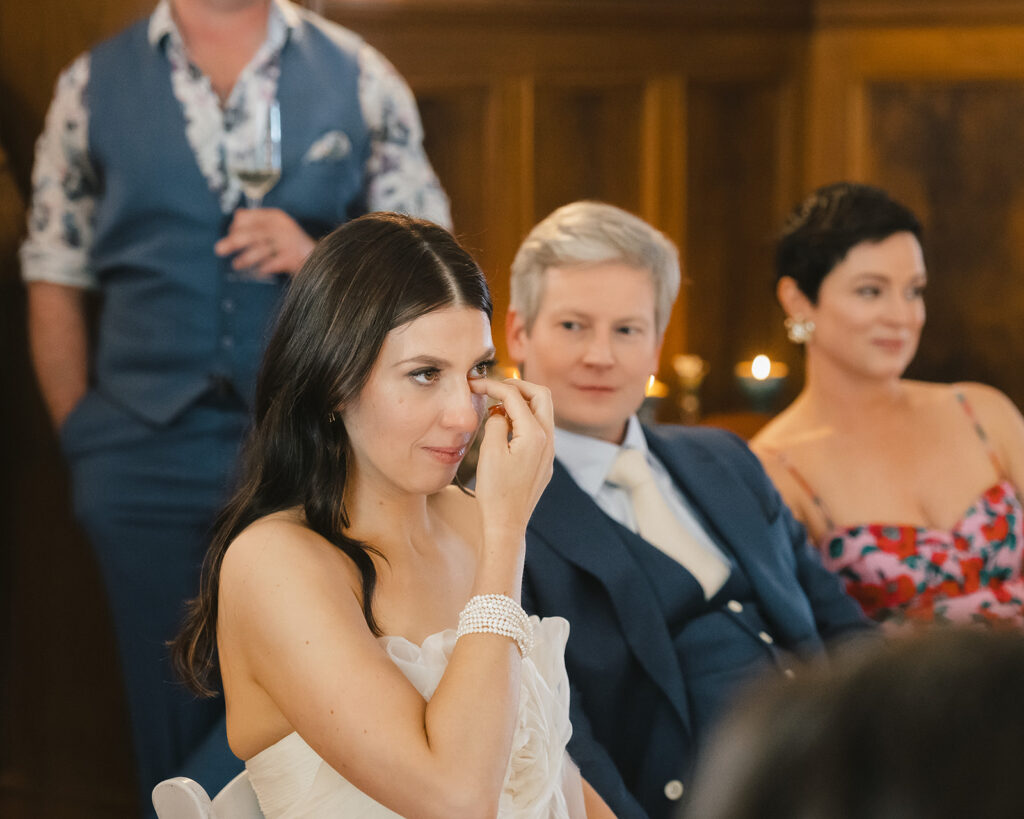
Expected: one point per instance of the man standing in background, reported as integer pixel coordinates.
(132, 201)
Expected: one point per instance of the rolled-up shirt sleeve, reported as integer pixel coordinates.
(64, 190)
(399, 176)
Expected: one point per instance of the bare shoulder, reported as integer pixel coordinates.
(999, 417)
(279, 557)
(925, 394)
(987, 400)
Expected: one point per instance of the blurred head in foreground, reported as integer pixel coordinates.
(924, 728)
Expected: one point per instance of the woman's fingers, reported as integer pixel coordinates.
(524, 403)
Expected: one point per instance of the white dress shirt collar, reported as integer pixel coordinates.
(588, 460)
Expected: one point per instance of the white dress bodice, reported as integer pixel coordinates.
(292, 781)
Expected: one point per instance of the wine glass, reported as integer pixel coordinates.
(258, 168)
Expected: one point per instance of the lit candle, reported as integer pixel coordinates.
(653, 394)
(760, 380)
(655, 388)
(760, 367)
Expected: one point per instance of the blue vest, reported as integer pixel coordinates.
(174, 322)
(720, 645)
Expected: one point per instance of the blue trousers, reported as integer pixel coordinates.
(146, 497)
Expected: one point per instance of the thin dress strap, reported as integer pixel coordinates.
(980, 430)
(816, 499)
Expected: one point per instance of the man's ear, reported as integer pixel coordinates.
(792, 298)
(517, 338)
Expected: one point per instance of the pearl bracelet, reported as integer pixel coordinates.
(497, 614)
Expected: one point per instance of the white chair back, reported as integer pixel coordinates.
(183, 798)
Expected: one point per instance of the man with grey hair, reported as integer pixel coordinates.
(667, 548)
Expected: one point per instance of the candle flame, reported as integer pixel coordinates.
(655, 388)
(761, 367)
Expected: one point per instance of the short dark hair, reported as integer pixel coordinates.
(364, 279)
(822, 229)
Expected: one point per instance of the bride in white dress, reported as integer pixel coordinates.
(361, 612)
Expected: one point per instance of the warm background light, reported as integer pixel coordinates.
(655, 388)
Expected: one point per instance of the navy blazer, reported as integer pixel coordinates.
(630, 712)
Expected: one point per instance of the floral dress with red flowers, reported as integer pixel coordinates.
(907, 576)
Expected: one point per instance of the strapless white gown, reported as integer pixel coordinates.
(291, 781)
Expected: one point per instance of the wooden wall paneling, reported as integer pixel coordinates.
(63, 733)
(732, 192)
(456, 138)
(510, 171)
(663, 188)
(789, 190)
(37, 40)
(897, 13)
(952, 151)
(844, 58)
(480, 140)
(588, 140)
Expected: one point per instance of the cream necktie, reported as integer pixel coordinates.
(658, 525)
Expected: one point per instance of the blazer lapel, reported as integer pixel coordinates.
(569, 521)
(730, 513)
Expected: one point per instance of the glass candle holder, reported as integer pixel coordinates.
(690, 370)
(760, 380)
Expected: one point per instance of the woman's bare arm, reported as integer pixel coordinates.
(289, 602)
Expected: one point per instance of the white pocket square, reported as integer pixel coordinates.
(332, 145)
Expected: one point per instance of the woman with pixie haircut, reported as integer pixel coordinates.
(911, 490)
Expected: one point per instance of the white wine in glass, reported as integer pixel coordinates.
(256, 183)
(258, 168)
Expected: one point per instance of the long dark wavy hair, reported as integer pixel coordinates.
(364, 279)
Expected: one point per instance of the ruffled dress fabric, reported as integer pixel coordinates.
(292, 781)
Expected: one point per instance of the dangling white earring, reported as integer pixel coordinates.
(799, 330)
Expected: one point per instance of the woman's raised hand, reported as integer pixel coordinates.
(516, 453)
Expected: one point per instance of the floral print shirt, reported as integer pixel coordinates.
(397, 173)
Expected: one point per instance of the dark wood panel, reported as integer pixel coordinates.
(576, 13)
(732, 193)
(65, 746)
(587, 145)
(455, 125)
(474, 138)
(37, 40)
(952, 151)
(918, 12)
